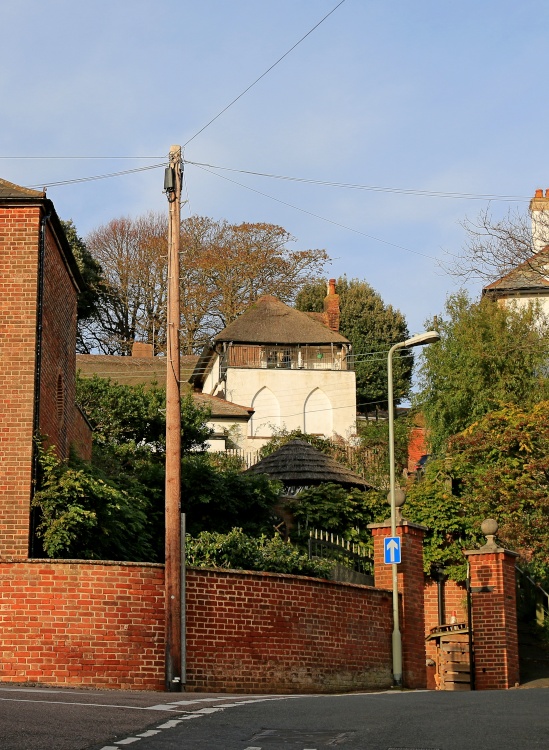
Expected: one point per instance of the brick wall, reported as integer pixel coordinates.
(58, 367)
(102, 624)
(455, 600)
(266, 632)
(19, 241)
(493, 587)
(58, 416)
(74, 623)
(410, 585)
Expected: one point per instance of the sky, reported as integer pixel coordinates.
(413, 96)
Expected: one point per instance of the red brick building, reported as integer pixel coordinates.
(39, 283)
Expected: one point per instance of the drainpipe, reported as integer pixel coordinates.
(37, 375)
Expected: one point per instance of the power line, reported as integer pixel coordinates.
(372, 188)
(317, 216)
(75, 158)
(96, 177)
(207, 125)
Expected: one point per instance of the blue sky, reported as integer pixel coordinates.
(416, 95)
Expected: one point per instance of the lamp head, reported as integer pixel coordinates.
(427, 337)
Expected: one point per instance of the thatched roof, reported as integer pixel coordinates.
(270, 321)
(298, 464)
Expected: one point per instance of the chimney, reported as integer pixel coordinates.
(141, 349)
(331, 307)
(539, 213)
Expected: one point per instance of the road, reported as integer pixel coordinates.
(55, 719)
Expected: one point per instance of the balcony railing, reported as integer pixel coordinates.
(288, 357)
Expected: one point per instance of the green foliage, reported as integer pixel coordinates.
(137, 414)
(216, 496)
(497, 468)
(372, 453)
(235, 550)
(372, 327)
(345, 512)
(488, 356)
(85, 515)
(283, 436)
(89, 297)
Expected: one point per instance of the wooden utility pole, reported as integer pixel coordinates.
(172, 186)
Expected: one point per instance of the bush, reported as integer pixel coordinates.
(237, 551)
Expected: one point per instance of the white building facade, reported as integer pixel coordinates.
(292, 369)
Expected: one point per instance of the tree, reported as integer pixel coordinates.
(85, 514)
(488, 356)
(224, 268)
(217, 496)
(496, 468)
(496, 246)
(92, 275)
(133, 256)
(372, 327)
(113, 507)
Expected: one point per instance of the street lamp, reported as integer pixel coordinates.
(428, 337)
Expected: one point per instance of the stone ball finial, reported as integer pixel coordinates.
(489, 527)
(400, 497)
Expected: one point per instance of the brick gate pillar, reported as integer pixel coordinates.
(411, 587)
(494, 604)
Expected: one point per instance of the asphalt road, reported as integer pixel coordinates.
(53, 719)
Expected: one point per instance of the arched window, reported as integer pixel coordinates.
(266, 416)
(317, 414)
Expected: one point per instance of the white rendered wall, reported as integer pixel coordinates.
(318, 401)
(525, 301)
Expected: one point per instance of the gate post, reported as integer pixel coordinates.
(411, 586)
(494, 604)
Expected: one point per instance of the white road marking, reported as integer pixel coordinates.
(169, 724)
(45, 690)
(128, 740)
(148, 733)
(75, 703)
(164, 707)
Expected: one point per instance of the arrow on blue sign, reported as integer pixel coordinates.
(391, 548)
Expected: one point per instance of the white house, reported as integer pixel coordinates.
(291, 368)
(529, 281)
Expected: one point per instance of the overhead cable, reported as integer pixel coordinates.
(207, 125)
(317, 216)
(372, 188)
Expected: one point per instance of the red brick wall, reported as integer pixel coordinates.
(417, 446)
(266, 632)
(59, 420)
(102, 624)
(455, 600)
(19, 242)
(410, 586)
(74, 623)
(58, 367)
(494, 619)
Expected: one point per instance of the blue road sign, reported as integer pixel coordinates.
(391, 550)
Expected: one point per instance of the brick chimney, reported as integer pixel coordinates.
(141, 349)
(331, 307)
(539, 212)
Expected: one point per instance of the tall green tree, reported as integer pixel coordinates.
(372, 327)
(89, 298)
(497, 468)
(488, 356)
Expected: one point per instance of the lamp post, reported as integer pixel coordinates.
(428, 337)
